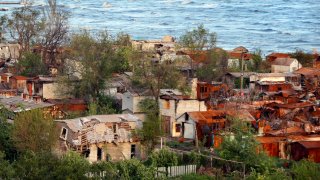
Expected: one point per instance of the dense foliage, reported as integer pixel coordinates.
(151, 130)
(31, 65)
(34, 131)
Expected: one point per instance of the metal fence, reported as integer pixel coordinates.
(174, 171)
(211, 161)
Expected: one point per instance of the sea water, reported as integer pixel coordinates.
(269, 25)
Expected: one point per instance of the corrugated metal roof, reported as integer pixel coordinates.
(18, 104)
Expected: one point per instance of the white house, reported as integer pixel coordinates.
(284, 65)
(173, 106)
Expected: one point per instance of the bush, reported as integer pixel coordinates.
(305, 169)
(163, 158)
(134, 169)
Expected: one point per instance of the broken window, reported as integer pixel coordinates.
(99, 154)
(133, 150)
(63, 134)
(86, 153)
(178, 127)
(114, 128)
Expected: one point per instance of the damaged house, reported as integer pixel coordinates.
(208, 124)
(101, 137)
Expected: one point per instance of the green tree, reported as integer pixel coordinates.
(150, 131)
(163, 158)
(6, 143)
(31, 165)
(196, 41)
(241, 146)
(24, 26)
(306, 59)
(6, 169)
(31, 65)
(93, 55)
(134, 169)
(215, 67)
(55, 30)
(305, 169)
(153, 76)
(96, 57)
(107, 169)
(72, 166)
(103, 105)
(34, 131)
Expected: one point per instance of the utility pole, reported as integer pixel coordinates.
(242, 65)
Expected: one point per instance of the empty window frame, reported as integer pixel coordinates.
(63, 133)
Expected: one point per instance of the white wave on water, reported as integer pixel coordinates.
(106, 5)
(185, 2)
(210, 6)
(268, 24)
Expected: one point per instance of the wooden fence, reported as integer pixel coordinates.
(174, 171)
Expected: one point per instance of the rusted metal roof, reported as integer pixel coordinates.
(268, 139)
(19, 77)
(286, 131)
(307, 71)
(310, 144)
(292, 105)
(208, 116)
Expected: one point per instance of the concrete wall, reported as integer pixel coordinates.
(280, 69)
(131, 102)
(295, 65)
(54, 91)
(121, 151)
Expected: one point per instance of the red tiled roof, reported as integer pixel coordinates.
(20, 77)
(237, 55)
(274, 56)
(198, 56)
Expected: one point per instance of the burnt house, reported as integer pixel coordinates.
(101, 137)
